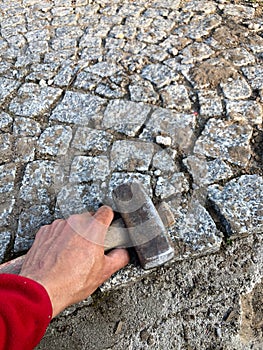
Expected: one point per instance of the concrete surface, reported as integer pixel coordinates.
(94, 93)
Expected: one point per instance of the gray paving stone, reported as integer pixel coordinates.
(164, 163)
(26, 127)
(239, 11)
(250, 111)
(239, 56)
(201, 25)
(78, 108)
(25, 147)
(131, 155)
(210, 103)
(5, 238)
(176, 97)
(86, 81)
(65, 75)
(7, 177)
(6, 148)
(255, 43)
(167, 4)
(41, 178)
(240, 204)
(111, 91)
(255, 76)
(104, 69)
(196, 232)
(30, 220)
(87, 139)
(171, 186)
(7, 88)
(155, 53)
(5, 121)
(158, 74)
(32, 100)
(125, 117)
(195, 52)
(178, 126)
(86, 168)
(199, 6)
(225, 140)
(55, 140)
(237, 89)
(205, 172)
(45, 71)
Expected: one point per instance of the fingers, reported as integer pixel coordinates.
(115, 260)
(104, 215)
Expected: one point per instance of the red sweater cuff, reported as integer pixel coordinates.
(25, 312)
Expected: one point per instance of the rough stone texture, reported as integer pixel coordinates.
(125, 116)
(240, 203)
(96, 93)
(231, 143)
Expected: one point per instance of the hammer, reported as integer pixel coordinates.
(145, 229)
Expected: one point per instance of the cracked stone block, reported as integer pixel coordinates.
(41, 181)
(118, 178)
(196, 52)
(111, 91)
(202, 25)
(104, 69)
(86, 168)
(5, 238)
(78, 108)
(158, 74)
(43, 71)
(78, 198)
(239, 56)
(205, 172)
(255, 76)
(87, 139)
(143, 91)
(64, 76)
(32, 100)
(6, 145)
(131, 155)
(26, 127)
(164, 163)
(210, 103)
(225, 140)
(251, 111)
(178, 126)
(176, 96)
(171, 186)
(196, 232)
(239, 11)
(237, 89)
(5, 121)
(125, 116)
(239, 203)
(155, 53)
(86, 81)
(6, 209)
(24, 149)
(7, 88)
(30, 221)
(7, 177)
(55, 140)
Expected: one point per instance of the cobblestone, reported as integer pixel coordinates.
(237, 89)
(230, 144)
(240, 203)
(176, 96)
(171, 186)
(87, 139)
(251, 111)
(254, 75)
(84, 169)
(55, 140)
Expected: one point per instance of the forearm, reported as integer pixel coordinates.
(25, 312)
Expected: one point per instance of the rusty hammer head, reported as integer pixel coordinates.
(144, 225)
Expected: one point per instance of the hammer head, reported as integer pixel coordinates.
(145, 227)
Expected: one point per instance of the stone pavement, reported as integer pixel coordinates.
(93, 93)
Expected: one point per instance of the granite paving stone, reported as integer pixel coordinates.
(26, 127)
(240, 203)
(86, 168)
(225, 140)
(32, 101)
(5, 237)
(7, 177)
(255, 76)
(25, 147)
(164, 163)
(176, 97)
(210, 103)
(195, 52)
(78, 108)
(158, 74)
(131, 155)
(7, 88)
(237, 89)
(125, 116)
(6, 209)
(5, 121)
(239, 56)
(239, 11)
(171, 186)
(55, 140)
(6, 147)
(87, 139)
(205, 172)
(250, 111)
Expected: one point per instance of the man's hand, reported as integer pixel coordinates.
(68, 258)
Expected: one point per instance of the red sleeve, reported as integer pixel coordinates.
(25, 312)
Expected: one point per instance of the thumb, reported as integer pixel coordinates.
(114, 261)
